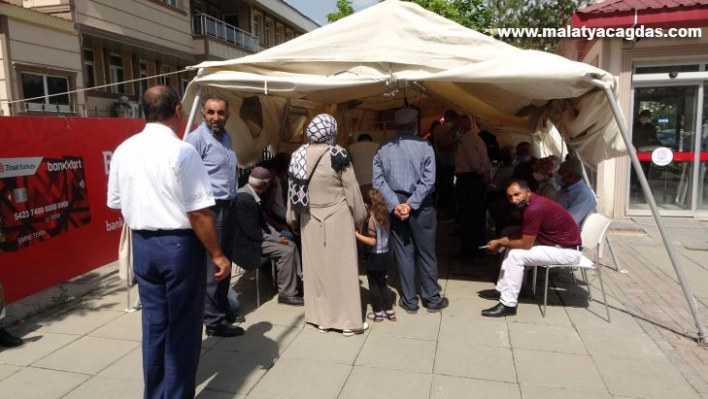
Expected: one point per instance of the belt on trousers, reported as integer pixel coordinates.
(161, 233)
(224, 202)
(575, 247)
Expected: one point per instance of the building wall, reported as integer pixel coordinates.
(38, 44)
(52, 35)
(619, 57)
(147, 21)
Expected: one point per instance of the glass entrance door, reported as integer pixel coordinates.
(666, 116)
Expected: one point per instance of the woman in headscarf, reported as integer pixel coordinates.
(325, 205)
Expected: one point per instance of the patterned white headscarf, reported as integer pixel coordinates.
(322, 129)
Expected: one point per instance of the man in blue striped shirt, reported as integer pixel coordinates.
(213, 143)
(404, 172)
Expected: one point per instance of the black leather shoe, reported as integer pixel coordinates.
(291, 300)
(490, 294)
(224, 330)
(407, 308)
(500, 311)
(234, 318)
(8, 340)
(444, 302)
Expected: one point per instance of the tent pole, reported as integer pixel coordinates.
(690, 299)
(193, 112)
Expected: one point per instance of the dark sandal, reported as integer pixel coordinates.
(376, 317)
(391, 315)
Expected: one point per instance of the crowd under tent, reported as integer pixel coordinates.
(364, 67)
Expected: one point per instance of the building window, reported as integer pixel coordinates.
(115, 67)
(165, 80)
(89, 70)
(143, 74)
(184, 82)
(172, 3)
(278, 36)
(255, 26)
(266, 34)
(47, 92)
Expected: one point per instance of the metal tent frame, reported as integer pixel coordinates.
(607, 88)
(687, 292)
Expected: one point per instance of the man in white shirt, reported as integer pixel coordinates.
(162, 189)
(362, 153)
(472, 169)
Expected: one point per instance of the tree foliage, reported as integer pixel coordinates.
(473, 14)
(470, 13)
(489, 15)
(532, 14)
(344, 9)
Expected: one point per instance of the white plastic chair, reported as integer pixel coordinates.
(593, 235)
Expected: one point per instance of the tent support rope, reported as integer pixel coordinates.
(690, 299)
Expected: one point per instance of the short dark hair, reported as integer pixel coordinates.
(159, 103)
(216, 97)
(521, 182)
(364, 137)
(524, 148)
(449, 114)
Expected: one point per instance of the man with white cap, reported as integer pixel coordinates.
(404, 172)
(255, 239)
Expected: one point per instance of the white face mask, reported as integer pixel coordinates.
(644, 120)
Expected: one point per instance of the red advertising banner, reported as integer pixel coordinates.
(54, 222)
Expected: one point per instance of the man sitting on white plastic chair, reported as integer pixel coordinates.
(549, 235)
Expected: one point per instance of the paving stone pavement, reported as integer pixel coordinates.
(81, 343)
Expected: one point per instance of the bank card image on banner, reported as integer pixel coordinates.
(40, 198)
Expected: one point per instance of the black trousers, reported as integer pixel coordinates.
(472, 211)
(381, 298)
(216, 303)
(445, 189)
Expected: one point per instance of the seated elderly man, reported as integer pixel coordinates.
(549, 235)
(254, 238)
(575, 196)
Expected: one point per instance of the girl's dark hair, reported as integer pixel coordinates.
(377, 206)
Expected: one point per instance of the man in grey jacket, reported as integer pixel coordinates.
(256, 239)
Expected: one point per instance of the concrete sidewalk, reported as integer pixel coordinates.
(90, 348)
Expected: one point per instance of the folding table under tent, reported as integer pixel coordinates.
(397, 54)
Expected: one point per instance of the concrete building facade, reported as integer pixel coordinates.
(666, 77)
(109, 51)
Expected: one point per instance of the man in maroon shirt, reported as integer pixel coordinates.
(549, 235)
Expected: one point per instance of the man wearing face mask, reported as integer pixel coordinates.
(575, 196)
(644, 132)
(213, 144)
(549, 235)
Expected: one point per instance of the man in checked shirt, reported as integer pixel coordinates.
(404, 172)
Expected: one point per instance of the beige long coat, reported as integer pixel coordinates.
(329, 254)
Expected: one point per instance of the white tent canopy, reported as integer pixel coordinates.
(397, 51)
